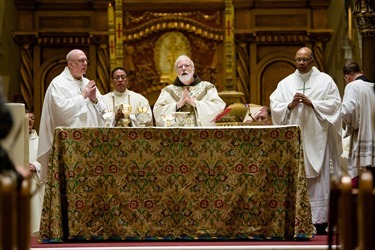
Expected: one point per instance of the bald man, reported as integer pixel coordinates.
(71, 100)
(310, 98)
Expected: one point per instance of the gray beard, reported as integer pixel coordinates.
(185, 79)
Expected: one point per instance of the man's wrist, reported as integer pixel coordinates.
(95, 101)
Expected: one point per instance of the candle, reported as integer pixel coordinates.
(23, 216)
(347, 208)
(364, 205)
(8, 210)
(119, 32)
(111, 14)
(111, 36)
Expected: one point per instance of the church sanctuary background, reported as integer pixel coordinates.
(244, 47)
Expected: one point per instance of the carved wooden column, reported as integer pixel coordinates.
(365, 17)
(319, 41)
(26, 42)
(102, 61)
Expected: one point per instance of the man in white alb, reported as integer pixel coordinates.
(310, 98)
(122, 95)
(71, 100)
(358, 113)
(188, 93)
(34, 168)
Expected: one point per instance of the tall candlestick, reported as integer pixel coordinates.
(8, 210)
(111, 14)
(111, 36)
(119, 32)
(23, 216)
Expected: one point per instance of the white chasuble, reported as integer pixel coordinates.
(321, 131)
(208, 103)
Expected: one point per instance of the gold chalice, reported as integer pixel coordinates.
(142, 115)
(168, 118)
(126, 110)
(181, 118)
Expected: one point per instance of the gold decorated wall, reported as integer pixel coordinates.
(153, 41)
(244, 47)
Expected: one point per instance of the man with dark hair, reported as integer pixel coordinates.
(36, 201)
(358, 113)
(121, 95)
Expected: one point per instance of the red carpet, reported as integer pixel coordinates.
(317, 240)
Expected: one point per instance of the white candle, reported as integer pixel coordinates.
(23, 216)
(8, 211)
(111, 14)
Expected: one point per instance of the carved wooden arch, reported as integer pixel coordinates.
(140, 38)
(174, 22)
(50, 69)
(271, 70)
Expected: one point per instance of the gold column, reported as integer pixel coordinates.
(229, 45)
(111, 35)
(230, 95)
(119, 33)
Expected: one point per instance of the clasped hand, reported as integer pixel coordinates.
(300, 98)
(89, 91)
(119, 115)
(186, 99)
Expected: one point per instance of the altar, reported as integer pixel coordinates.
(176, 184)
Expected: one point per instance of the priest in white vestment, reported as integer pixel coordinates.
(37, 187)
(310, 98)
(122, 95)
(358, 113)
(188, 93)
(71, 100)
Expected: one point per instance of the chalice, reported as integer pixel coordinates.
(126, 110)
(181, 118)
(168, 118)
(142, 116)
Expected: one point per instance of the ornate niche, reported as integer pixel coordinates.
(153, 41)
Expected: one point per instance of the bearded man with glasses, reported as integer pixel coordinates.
(71, 100)
(310, 99)
(188, 93)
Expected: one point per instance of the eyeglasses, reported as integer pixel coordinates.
(184, 65)
(303, 59)
(118, 77)
(81, 61)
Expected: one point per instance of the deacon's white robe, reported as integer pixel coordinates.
(358, 113)
(64, 105)
(114, 99)
(37, 185)
(208, 103)
(321, 130)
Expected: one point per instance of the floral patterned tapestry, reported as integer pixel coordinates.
(176, 184)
